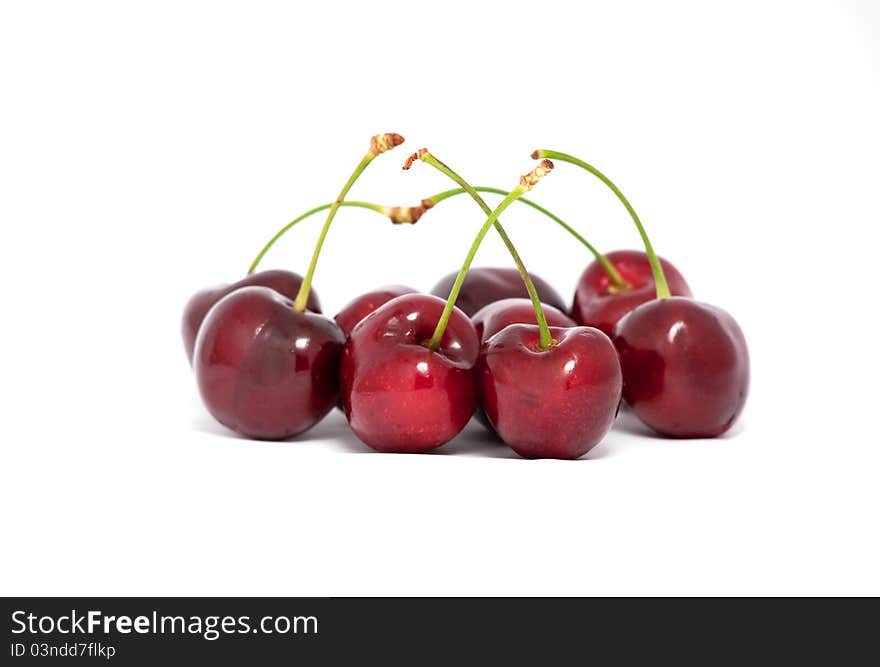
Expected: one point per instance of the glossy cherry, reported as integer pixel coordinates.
(285, 283)
(685, 367)
(360, 307)
(553, 403)
(491, 319)
(398, 395)
(264, 369)
(266, 366)
(598, 303)
(484, 285)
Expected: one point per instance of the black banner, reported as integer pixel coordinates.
(268, 631)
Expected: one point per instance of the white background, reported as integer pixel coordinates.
(148, 149)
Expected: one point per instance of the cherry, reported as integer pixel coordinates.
(599, 303)
(491, 319)
(360, 307)
(286, 283)
(485, 285)
(555, 402)
(264, 365)
(264, 369)
(685, 363)
(399, 395)
(685, 367)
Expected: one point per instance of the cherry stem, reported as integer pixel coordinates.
(388, 212)
(527, 182)
(656, 268)
(546, 339)
(378, 145)
(603, 261)
(281, 232)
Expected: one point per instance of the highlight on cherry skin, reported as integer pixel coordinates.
(685, 367)
(285, 283)
(264, 369)
(361, 306)
(599, 303)
(398, 395)
(484, 285)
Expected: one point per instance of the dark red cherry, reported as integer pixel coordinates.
(491, 319)
(398, 395)
(360, 307)
(285, 283)
(685, 367)
(483, 285)
(598, 304)
(265, 370)
(555, 403)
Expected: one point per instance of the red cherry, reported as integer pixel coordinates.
(553, 403)
(491, 319)
(598, 304)
(398, 395)
(285, 283)
(360, 307)
(685, 367)
(483, 285)
(264, 369)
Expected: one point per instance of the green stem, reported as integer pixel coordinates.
(434, 343)
(606, 265)
(659, 277)
(302, 297)
(281, 232)
(609, 268)
(546, 338)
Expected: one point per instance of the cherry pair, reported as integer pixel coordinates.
(414, 370)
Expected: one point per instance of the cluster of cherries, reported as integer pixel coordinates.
(409, 370)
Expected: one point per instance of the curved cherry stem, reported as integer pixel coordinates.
(546, 339)
(386, 211)
(527, 182)
(378, 145)
(603, 261)
(656, 269)
(281, 232)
